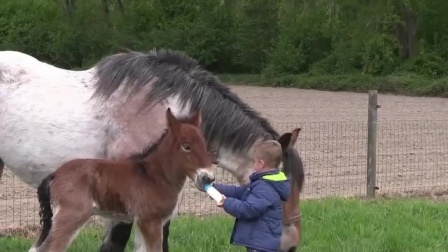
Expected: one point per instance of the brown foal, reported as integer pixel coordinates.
(142, 190)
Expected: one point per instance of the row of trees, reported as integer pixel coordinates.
(273, 37)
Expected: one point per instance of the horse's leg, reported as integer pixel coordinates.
(116, 237)
(65, 228)
(166, 233)
(2, 166)
(152, 233)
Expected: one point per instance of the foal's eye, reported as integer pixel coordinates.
(186, 147)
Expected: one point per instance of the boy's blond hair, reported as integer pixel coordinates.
(270, 152)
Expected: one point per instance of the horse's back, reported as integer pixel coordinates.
(17, 66)
(13, 65)
(46, 116)
(15, 57)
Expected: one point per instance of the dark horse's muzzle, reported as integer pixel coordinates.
(203, 177)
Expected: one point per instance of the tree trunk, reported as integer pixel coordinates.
(70, 6)
(120, 6)
(406, 32)
(411, 30)
(105, 5)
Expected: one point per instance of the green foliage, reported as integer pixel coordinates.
(430, 65)
(378, 56)
(283, 40)
(304, 39)
(255, 30)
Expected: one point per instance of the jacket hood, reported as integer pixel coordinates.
(277, 179)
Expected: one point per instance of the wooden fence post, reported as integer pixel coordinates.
(371, 143)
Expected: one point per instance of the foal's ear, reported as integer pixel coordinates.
(172, 121)
(196, 119)
(289, 139)
(294, 136)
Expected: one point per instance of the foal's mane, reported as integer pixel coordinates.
(226, 118)
(149, 149)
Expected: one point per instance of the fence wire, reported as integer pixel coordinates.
(412, 158)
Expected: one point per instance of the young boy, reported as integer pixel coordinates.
(257, 206)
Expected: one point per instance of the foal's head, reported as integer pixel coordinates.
(190, 149)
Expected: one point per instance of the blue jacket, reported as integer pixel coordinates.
(257, 207)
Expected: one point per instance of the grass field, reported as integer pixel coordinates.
(328, 225)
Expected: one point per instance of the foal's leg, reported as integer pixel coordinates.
(65, 228)
(116, 237)
(151, 230)
(139, 241)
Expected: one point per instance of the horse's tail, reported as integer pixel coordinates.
(45, 212)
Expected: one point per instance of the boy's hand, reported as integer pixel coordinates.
(220, 204)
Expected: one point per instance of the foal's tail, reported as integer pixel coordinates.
(45, 213)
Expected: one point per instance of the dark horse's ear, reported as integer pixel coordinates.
(196, 119)
(173, 123)
(289, 139)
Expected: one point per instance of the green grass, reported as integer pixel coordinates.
(328, 225)
(400, 83)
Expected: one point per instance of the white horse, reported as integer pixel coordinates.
(116, 109)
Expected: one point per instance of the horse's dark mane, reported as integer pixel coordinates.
(149, 149)
(299, 173)
(226, 118)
